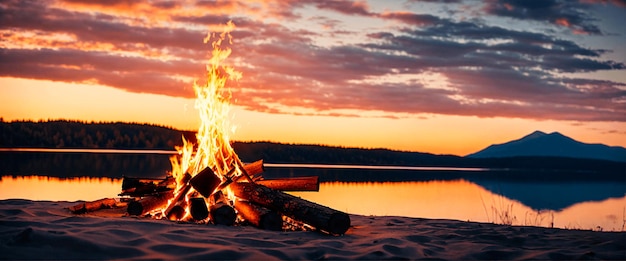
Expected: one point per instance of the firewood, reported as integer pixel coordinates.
(177, 212)
(259, 216)
(221, 212)
(205, 182)
(179, 197)
(198, 208)
(93, 205)
(244, 172)
(254, 168)
(139, 187)
(318, 216)
(149, 203)
(292, 184)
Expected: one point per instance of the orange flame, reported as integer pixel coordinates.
(213, 104)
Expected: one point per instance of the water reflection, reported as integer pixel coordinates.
(555, 195)
(573, 200)
(462, 200)
(438, 199)
(58, 189)
(539, 190)
(70, 164)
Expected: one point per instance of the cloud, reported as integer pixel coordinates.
(619, 3)
(344, 6)
(380, 66)
(565, 13)
(411, 18)
(134, 74)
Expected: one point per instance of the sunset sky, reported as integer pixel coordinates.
(439, 76)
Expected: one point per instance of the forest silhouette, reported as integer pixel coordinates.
(138, 136)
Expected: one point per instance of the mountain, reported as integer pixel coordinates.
(552, 145)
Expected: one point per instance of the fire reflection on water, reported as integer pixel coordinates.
(452, 199)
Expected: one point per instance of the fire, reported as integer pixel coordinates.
(207, 174)
(213, 148)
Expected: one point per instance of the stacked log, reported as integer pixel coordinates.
(259, 216)
(221, 212)
(198, 208)
(292, 184)
(176, 208)
(149, 203)
(259, 201)
(318, 216)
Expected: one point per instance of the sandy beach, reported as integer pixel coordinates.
(47, 230)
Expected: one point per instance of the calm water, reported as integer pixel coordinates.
(450, 193)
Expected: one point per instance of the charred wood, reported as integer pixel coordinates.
(254, 169)
(205, 182)
(318, 216)
(93, 205)
(198, 208)
(179, 197)
(139, 187)
(292, 184)
(149, 203)
(177, 212)
(259, 216)
(221, 212)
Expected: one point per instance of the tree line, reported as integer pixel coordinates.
(78, 134)
(118, 135)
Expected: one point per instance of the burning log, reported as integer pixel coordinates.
(177, 212)
(149, 203)
(138, 187)
(318, 216)
(93, 205)
(179, 198)
(205, 182)
(244, 172)
(255, 168)
(198, 208)
(221, 212)
(259, 216)
(292, 184)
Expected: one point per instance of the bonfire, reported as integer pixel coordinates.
(208, 181)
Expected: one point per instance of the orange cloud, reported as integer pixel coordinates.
(563, 22)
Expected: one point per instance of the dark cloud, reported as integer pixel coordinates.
(566, 13)
(343, 6)
(619, 3)
(411, 18)
(491, 47)
(438, 1)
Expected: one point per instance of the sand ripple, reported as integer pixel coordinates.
(44, 230)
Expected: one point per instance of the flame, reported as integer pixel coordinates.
(213, 148)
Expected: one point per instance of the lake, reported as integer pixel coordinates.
(470, 194)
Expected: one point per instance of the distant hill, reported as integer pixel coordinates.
(540, 144)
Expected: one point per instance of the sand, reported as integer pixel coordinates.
(46, 230)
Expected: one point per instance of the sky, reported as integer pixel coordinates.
(437, 76)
